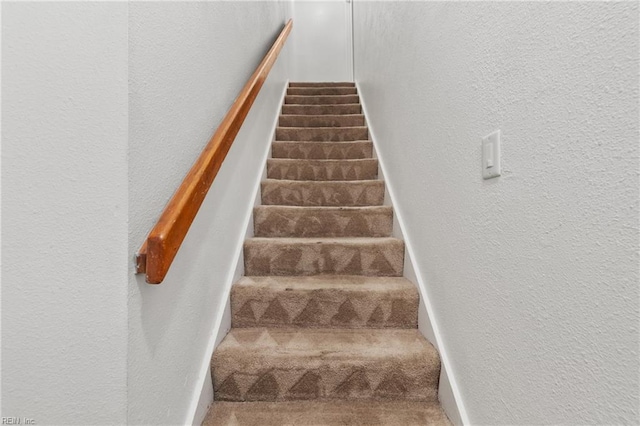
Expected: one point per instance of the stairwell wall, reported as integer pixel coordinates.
(533, 276)
(64, 212)
(188, 62)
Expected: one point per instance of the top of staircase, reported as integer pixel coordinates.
(322, 84)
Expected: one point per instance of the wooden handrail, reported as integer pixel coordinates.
(157, 252)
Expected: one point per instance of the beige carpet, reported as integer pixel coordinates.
(321, 99)
(334, 109)
(322, 150)
(322, 193)
(307, 413)
(324, 326)
(303, 169)
(331, 301)
(271, 364)
(294, 221)
(327, 120)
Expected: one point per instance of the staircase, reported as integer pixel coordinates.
(324, 326)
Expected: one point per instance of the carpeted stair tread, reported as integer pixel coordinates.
(326, 413)
(322, 193)
(317, 256)
(317, 134)
(321, 99)
(322, 170)
(280, 364)
(322, 150)
(314, 91)
(326, 120)
(330, 109)
(324, 302)
(323, 324)
(322, 84)
(311, 222)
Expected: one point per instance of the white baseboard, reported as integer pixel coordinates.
(448, 391)
(200, 406)
(204, 402)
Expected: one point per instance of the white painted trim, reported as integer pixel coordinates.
(351, 59)
(204, 401)
(448, 391)
(201, 401)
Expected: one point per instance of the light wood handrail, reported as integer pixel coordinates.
(158, 250)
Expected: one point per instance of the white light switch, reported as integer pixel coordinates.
(491, 155)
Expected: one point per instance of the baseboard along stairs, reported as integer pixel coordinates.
(324, 326)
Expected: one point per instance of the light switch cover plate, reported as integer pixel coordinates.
(491, 155)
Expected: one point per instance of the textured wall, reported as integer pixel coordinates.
(322, 41)
(72, 98)
(534, 275)
(64, 212)
(188, 62)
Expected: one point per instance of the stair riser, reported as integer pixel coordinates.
(322, 150)
(280, 366)
(335, 109)
(277, 221)
(333, 194)
(322, 170)
(328, 134)
(316, 91)
(321, 84)
(321, 120)
(284, 258)
(318, 308)
(321, 100)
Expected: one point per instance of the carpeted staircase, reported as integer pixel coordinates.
(324, 327)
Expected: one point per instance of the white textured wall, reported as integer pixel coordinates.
(322, 44)
(64, 212)
(188, 62)
(534, 275)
